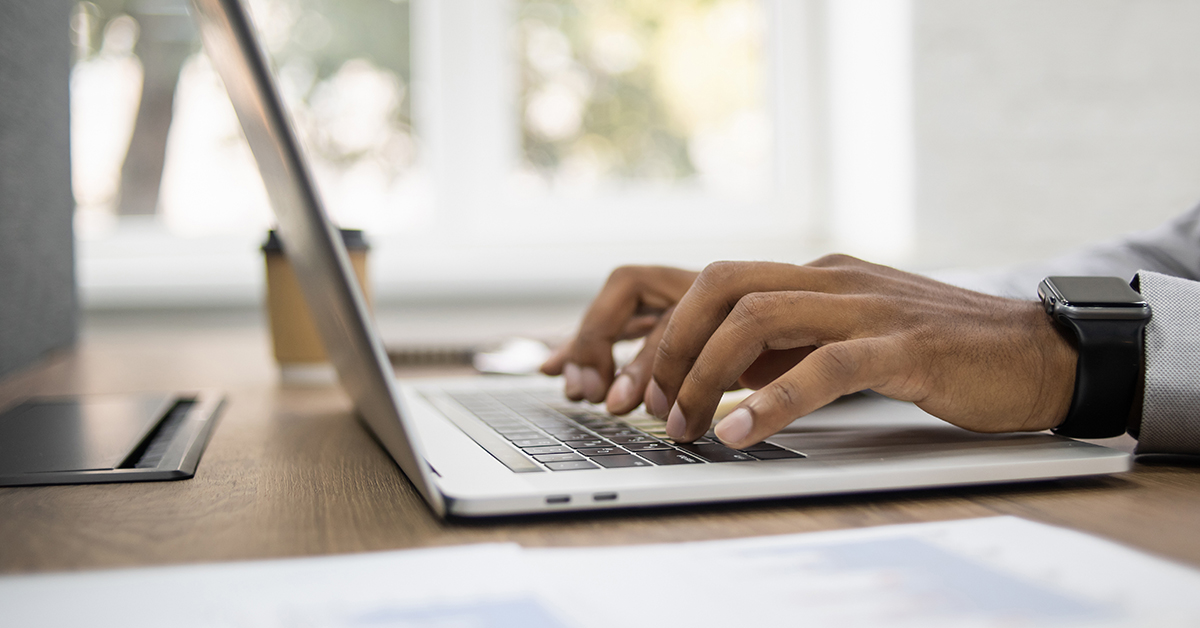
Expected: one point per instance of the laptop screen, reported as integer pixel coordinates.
(311, 242)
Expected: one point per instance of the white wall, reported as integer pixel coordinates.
(1043, 124)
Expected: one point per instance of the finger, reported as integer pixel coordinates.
(761, 321)
(574, 381)
(770, 365)
(639, 325)
(636, 327)
(630, 384)
(828, 373)
(712, 296)
(630, 292)
(554, 364)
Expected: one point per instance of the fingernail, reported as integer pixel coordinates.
(573, 386)
(676, 424)
(735, 427)
(656, 401)
(593, 386)
(621, 395)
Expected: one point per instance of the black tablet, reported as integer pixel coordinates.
(106, 438)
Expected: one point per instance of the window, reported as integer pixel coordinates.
(486, 146)
(607, 119)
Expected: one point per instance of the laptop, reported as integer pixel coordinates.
(481, 446)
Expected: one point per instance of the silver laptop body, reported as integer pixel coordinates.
(484, 446)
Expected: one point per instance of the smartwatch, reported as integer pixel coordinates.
(1106, 318)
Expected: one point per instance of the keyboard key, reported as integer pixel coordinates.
(504, 423)
(645, 423)
(654, 446)
(670, 457)
(522, 435)
(574, 465)
(629, 440)
(511, 426)
(535, 442)
(610, 432)
(507, 428)
(713, 452)
(568, 434)
(553, 449)
(592, 452)
(626, 460)
(537, 412)
(494, 419)
(764, 446)
(777, 454)
(558, 457)
(581, 444)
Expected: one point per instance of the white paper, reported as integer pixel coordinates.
(999, 571)
(467, 586)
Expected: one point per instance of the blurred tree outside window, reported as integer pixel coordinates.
(153, 132)
(667, 92)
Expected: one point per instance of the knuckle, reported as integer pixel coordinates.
(718, 273)
(838, 362)
(665, 351)
(624, 275)
(853, 276)
(831, 260)
(838, 260)
(753, 310)
(698, 378)
(856, 277)
(784, 396)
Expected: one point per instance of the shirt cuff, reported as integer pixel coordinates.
(1171, 402)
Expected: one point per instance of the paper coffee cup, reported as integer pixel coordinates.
(296, 344)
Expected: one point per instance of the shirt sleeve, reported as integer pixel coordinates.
(1170, 249)
(1171, 402)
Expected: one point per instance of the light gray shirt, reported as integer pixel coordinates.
(1166, 261)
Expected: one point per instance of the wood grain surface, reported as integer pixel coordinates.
(291, 472)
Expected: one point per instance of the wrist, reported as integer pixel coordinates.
(1059, 362)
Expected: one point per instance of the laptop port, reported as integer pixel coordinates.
(558, 499)
(604, 497)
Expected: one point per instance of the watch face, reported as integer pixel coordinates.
(1095, 291)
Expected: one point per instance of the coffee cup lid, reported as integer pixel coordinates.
(352, 238)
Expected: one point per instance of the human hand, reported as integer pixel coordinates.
(635, 302)
(808, 334)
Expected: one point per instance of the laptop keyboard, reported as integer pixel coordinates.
(562, 436)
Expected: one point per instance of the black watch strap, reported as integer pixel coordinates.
(1106, 378)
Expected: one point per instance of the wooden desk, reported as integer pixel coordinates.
(290, 472)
